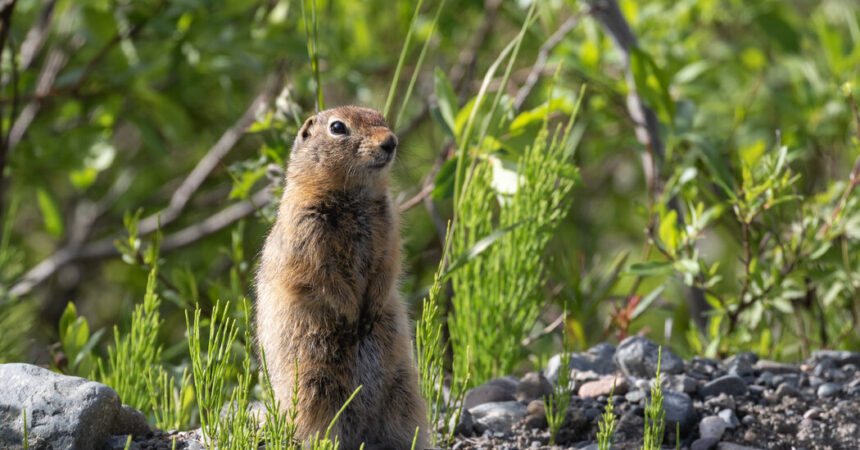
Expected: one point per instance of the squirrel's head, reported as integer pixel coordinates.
(349, 143)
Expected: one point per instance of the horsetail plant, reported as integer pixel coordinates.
(607, 427)
(210, 368)
(654, 414)
(556, 404)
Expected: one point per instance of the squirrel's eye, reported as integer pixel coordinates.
(337, 127)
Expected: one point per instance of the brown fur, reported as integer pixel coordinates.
(326, 289)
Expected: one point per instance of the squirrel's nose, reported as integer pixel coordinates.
(389, 143)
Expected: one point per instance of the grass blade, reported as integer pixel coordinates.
(418, 66)
(312, 48)
(400, 61)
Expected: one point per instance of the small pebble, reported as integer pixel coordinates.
(813, 413)
(828, 390)
(712, 427)
(729, 418)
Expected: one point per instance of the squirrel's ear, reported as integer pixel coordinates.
(305, 130)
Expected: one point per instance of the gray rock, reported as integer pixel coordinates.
(712, 427)
(679, 409)
(118, 443)
(637, 356)
(499, 416)
(728, 384)
(741, 364)
(62, 411)
(823, 368)
(592, 413)
(729, 418)
(731, 446)
(465, 424)
(680, 383)
(194, 446)
(813, 413)
(704, 444)
(839, 357)
(787, 390)
(721, 401)
(634, 396)
(508, 382)
(599, 359)
(486, 393)
(130, 421)
(533, 386)
(828, 390)
(791, 379)
(775, 367)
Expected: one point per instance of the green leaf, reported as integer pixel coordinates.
(50, 212)
(444, 182)
(85, 350)
(651, 268)
(690, 72)
(779, 30)
(651, 84)
(668, 230)
(537, 115)
(647, 301)
(68, 317)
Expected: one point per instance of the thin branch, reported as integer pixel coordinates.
(417, 198)
(213, 157)
(105, 248)
(35, 39)
(852, 182)
(217, 222)
(55, 62)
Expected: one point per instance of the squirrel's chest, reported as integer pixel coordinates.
(350, 232)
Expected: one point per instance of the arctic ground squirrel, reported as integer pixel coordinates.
(327, 299)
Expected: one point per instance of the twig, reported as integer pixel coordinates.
(105, 248)
(35, 40)
(417, 198)
(217, 222)
(55, 62)
(855, 176)
(213, 157)
(547, 330)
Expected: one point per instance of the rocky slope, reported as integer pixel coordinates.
(739, 403)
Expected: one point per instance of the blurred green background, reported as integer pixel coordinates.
(108, 107)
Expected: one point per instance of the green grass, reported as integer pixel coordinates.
(497, 294)
(25, 439)
(655, 416)
(135, 353)
(171, 404)
(556, 405)
(607, 427)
